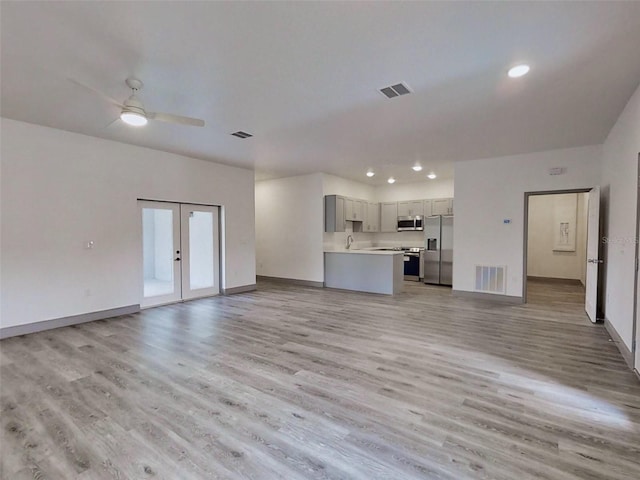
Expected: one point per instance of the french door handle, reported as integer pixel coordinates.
(595, 260)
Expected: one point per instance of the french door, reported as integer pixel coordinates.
(180, 251)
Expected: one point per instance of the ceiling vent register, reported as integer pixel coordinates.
(395, 90)
(241, 134)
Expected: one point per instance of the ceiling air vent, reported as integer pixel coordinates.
(395, 90)
(241, 134)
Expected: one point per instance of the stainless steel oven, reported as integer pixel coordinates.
(412, 263)
(411, 224)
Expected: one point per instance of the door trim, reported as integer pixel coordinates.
(526, 228)
(635, 356)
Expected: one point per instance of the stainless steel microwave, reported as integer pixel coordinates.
(412, 223)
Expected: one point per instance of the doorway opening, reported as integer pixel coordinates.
(180, 252)
(560, 267)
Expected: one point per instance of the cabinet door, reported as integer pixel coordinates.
(358, 210)
(366, 226)
(373, 217)
(334, 214)
(348, 209)
(416, 207)
(404, 209)
(427, 208)
(389, 217)
(440, 206)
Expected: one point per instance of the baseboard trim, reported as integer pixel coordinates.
(292, 281)
(617, 339)
(488, 296)
(17, 330)
(240, 289)
(566, 281)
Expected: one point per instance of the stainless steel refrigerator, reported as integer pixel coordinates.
(438, 250)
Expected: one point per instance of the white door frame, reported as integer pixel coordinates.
(189, 293)
(526, 228)
(179, 267)
(635, 337)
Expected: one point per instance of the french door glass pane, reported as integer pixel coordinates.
(158, 250)
(200, 250)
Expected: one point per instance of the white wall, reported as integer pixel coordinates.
(490, 190)
(60, 189)
(619, 181)
(542, 259)
(415, 190)
(332, 185)
(289, 227)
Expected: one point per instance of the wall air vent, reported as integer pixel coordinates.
(491, 279)
(395, 90)
(241, 134)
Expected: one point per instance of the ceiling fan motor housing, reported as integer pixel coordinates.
(133, 105)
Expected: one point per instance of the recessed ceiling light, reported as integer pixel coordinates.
(416, 168)
(391, 180)
(518, 71)
(370, 173)
(431, 176)
(132, 118)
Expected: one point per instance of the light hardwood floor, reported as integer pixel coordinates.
(302, 383)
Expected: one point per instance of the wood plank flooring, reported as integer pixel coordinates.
(292, 382)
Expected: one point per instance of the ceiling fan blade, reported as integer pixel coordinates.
(170, 118)
(97, 92)
(112, 122)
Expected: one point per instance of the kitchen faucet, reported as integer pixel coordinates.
(349, 241)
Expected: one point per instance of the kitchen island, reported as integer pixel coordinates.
(373, 271)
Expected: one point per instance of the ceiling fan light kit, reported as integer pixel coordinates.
(134, 119)
(133, 111)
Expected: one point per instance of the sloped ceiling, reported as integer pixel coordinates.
(302, 77)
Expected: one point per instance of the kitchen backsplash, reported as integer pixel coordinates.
(338, 240)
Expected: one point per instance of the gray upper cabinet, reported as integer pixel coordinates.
(427, 207)
(348, 208)
(354, 210)
(389, 217)
(411, 208)
(359, 208)
(372, 214)
(377, 217)
(334, 213)
(442, 206)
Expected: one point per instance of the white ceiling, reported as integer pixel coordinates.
(302, 77)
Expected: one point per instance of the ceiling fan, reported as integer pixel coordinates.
(133, 111)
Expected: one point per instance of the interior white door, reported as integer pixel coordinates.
(200, 247)
(593, 258)
(636, 363)
(162, 279)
